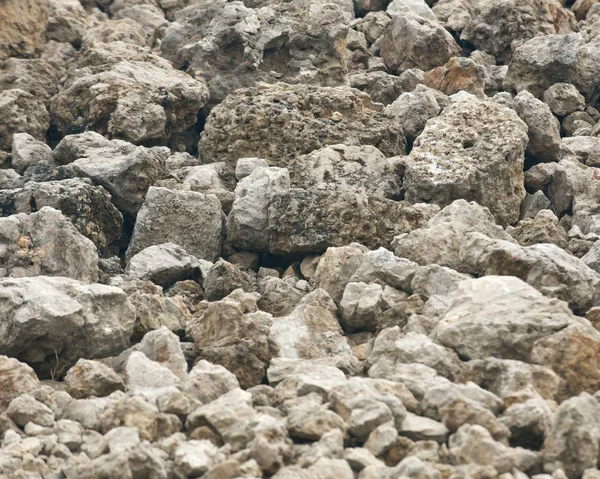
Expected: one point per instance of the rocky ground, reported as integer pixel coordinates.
(299, 239)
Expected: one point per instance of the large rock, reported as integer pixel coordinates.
(46, 243)
(213, 39)
(475, 151)
(88, 207)
(16, 378)
(28, 152)
(188, 219)
(496, 27)
(126, 171)
(440, 240)
(137, 98)
(411, 41)
(281, 122)
(163, 264)
(543, 61)
(544, 128)
(52, 322)
(35, 76)
(23, 28)
(564, 99)
(546, 267)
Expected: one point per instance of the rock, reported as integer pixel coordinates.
(529, 421)
(142, 374)
(497, 28)
(27, 151)
(90, 378)
(25, 28)
(459, 74)
(420, 428)
(544, 128)
(35, 76)
(360, 308)
(575, 419)
(152, 309)
(447, 161)
(125, 30)
(473, 443)
(380, 86)
(277, 296)
(88, 207)
(410, 41)
(138, 98)
(150, 18)
(339, 115)
(245, 167)
(336, 267)
(163, 346)
(309, 419)
(124, 170)
(544, 228)
(563, 99)
(546, 267)
(46, 243)
(223, 279)
(207, 382)
(433, 280)
(182, 208)
(414, 110)
(67, 22)
(26, 408)
(49, 311)
(194, 458)
(23, 114)
(16, 378)
(234, 334)
(440, 240)
(273, 49)
(163, 264)
(543, 61)
(311, 330)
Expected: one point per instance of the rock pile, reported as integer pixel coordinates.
(307, 239)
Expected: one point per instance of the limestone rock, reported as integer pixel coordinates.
(464, 154)
(181, 209)
(281, 122)
(22, 114)
(48, 312)
(24, 27)
(563, 99)
(91, 378)
(163, 264)
(46, 243)
(27, 151)
(16, 378)
(459, 74)
(414, 110)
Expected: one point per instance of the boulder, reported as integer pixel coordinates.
(281, 122)
(166, 216)
(46, 243)
(474, 151)
(45, 313)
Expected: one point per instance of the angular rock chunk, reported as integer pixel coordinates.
(546, 267)
(139, 98)
(410, 41)
(44, 315)
(214, 39)
(188, 219)
(35, 76)
(23, 28)
(92, 378)
(440, 240)
(16, 378)
(475, 151)
(543, 61)
(563, 99)
(27, 152)
(544, 128)
(496, 27)
(88, 207)
(163, 264)
(414, 110)
(281, 122)
(46, 243)
(544, 228)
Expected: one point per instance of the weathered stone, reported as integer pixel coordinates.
(213, 39)
(278, 297)
(459, 74)
(16, 378)
(414, 110)
(23, 29)
(223, 279)
(67, 22)
(465, 154)
(411, 41)
(27, 151)
(22, 114)
(35, 76)
(166, 216)
(544, 128)
(544, 228)
(46, 243)
(142, 374)
(207, 382)
(336, 267)
(90, 378)
(360, 307)
(563, 99)
(163, 264)
(253, 122)
(25, 408)
(440, 240)
(194, 458)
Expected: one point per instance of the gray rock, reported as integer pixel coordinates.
(543, 228)
(544, 128)
(27, 152)
(194, 458)
(90, 378)
(420, 428)
(163, 264)
(245, 166)
(23, 37)
(46, 243)
(16, 378)
(440, 240)
(450, 157)
(142, 374)
(23, 114)
(544, 266)
(26, 408)
(411, 41)
(48, 312)
(563, 99)
(360, 307)
(414, 110)
(339, 115)
(207, 382)
(165, 217)
(278, 297)
(224, 278)
(433, 280)
(163, 347)
(529, 419)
